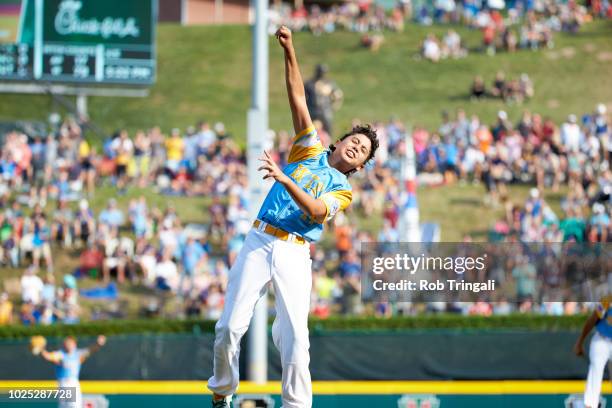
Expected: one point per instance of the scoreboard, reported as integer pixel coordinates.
(16, 62)
(80, 41)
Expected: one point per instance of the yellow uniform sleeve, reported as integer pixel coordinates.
(336, 201)
(306, 144)
(56, 357)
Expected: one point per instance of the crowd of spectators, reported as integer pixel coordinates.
(509, 90)
(573, 157)
(504, 24)
(46, 191)
(360, 17)
(49, 184)
(434, 50)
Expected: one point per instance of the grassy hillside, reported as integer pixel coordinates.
(205, 71)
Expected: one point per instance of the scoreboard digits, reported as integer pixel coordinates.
(16, 61)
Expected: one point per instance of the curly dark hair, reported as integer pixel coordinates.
(368, 132)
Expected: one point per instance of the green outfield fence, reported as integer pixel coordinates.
(382, 355)
(437, 361)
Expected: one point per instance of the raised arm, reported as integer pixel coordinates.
(100, 342)
(293, 80)
(586, 329)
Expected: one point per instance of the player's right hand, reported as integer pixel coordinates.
(272, 170)
(284, 36)
(579, 349)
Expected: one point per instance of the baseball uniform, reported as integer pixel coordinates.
(276, 250)
(67, 372)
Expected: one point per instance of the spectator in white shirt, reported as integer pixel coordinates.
(571, 136)
(166, 273)
(31, 287)
(431, 48)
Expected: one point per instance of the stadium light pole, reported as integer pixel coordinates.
(409, 214)
(257, 368)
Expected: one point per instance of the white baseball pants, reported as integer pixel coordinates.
(75, 386)
(600, 353)
(265, 258)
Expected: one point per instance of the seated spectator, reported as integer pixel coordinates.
(91, 261)
(31, 286)
(41, 243)
(118, 255)
(166, 274)
(509, 40)
(138, 217)
(112, 216)
(6, 310)
(48, 290)
(146, 259)
(499, 85)
(478, 90)
(28, 315)
(372, 42)
(175, 147)
(526, 87)
(571, 135)
(452, 45)
(431, 48)
(193, 261)
(123, 149)
(599, 224)
(84, 223)
(214, 301)
(9, 250)
(488, 38)
(61, 227)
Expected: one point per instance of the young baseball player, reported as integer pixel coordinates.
(310, 190)
(600, 350)
(68, 365)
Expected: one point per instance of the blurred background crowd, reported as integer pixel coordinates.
(48, 184)
(65, 196)
(504, 25)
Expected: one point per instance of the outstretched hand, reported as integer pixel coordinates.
(101, 340)
(579, 349)
(271, 168)
(285, 37)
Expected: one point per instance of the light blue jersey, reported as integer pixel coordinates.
(604, 324)
(308, 167)
(69, 364)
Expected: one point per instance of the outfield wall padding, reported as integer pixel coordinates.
(406, 355)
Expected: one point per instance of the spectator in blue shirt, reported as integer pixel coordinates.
(193, 258)
(600, 223)
(350, 265)
(40, 242)
(112, 216)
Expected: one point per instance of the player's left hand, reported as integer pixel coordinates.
(579, 349)
(101, 340)
(271, 168)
